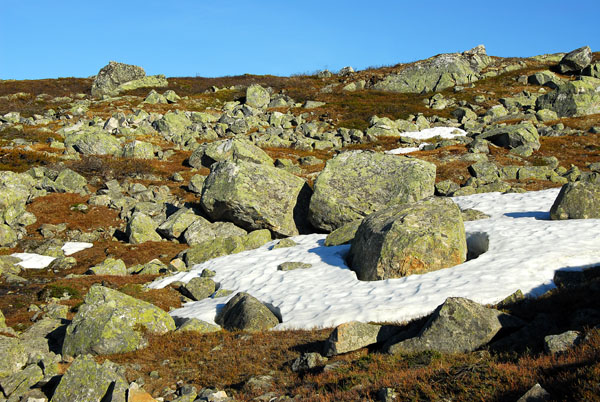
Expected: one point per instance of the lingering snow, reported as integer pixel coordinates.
(406, 150)
(37, 261)
(33, 261)
(525, 249)
(442, 132)
(72, 247)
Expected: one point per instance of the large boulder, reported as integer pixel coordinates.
(141, 228)
(354, 184)
(202, 230)
(231, 149)
(256, 196)
(257, 96)
(573, 98)
(94, 141)
(217, 247)
(409, 239)
(88, 381)
(114, 74)
(575, 61)
(577, 200)
(69, 181)
(458, 325)
(112, 322)
(115, 78)
(355, 335)
(437, 73)
(177, 223)
(14, 356)
(245, 312)
(513, 136)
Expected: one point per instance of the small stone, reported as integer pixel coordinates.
(284, 243)
(290, 266)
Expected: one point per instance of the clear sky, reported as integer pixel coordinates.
(49, 39)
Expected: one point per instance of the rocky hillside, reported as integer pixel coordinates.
(147, 176)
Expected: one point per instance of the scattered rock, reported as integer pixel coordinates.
(199, 288)
(535, 394)
(458, 325)
(291, 265)
(232, 150)
(561, 342)
(109, 321)
(343, 234)
(256, 197)
(577, 200)
(409, 239)
(575, 61)
(355, 335)
(110, 266)
(245, 312)
(196, 325)
(308, 361)
(354, 184)
(86, 381)
(285, 243)
(141, 228)
(257, 96)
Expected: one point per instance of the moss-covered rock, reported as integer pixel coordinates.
(14, 356)
(355, 335)
(576, 60)
(93, 141)
(245, 312)
(110, 266)
(114, 74)
(573, 98)
(343, 234)
(19, 383)
(201, 230)
(513, 136)
(409, 239)
(437, 73)
(285, 243)
(141, 228)
(199, 288)
(144, 82)
(8, 237)
(88, 381)
(354, 184)
(113, 322)
(293, 265)
(138, 149)
(231, 149)
(214, 248)
(256, 196)
(257, 96)
(69, 181)
(577, 200)
(196, 325)
(459, 325)
(256, 238)
(177, 223)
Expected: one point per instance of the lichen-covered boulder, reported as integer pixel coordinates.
(88, 381)
(111, 322)
(69, 181)
(138, 149)
(214, 248)
(8, 237)
(256, 196)
(576, 60)
(355, 335)
(577, 200)
(201, 230)
(145, 82)
(14, 356)
(573, 98)
(513, 136)
(141, 228)
(354, 184)
(343, 234)
(114, 74)
(409, 239)
(437, 73)
(256, 238)
(177, 223)
(2, 319)
(245, 312)
(19, 383)
(459, 325)
(231, 149)
(93, 141)
(110, 266)
(199, 288)
(257, 96)
(196, 325)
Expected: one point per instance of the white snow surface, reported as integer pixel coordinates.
(442, 132)
(525, 249)
(37, 261)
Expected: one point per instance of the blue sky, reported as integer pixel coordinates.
(44, 39)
